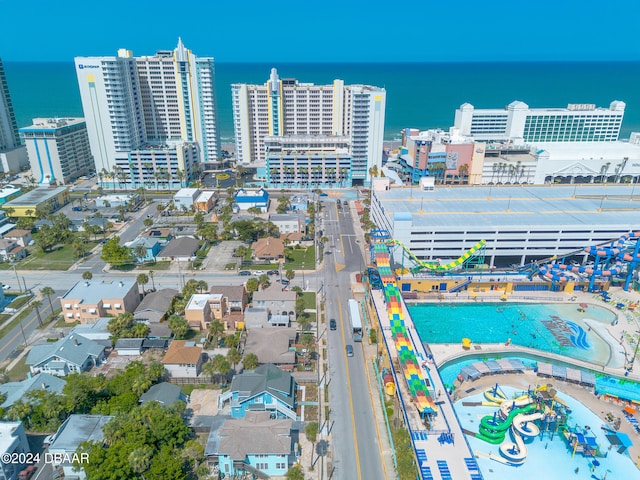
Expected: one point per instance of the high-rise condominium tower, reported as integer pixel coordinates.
(150, 119)
(287, 108)
(13, 156)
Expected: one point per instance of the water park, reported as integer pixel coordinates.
(549, 315)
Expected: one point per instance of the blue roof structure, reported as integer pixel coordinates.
(14, 391)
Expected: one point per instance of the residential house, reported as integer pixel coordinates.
(246, 199)
(127, 347)
(76, 430)
(265, 388)
(152, 247)
(97, 331)
(21, 237)
(276, 300)
(182, 249)
(272, 345)
(268, 249)
(10, 250)
(88, 301)
(183, 359)
(153, 311)
(293, 239)
(98, 225)
(164, 393)
(164, 235)
(13, 440)
(260, 317)
(252, 445)
(289, 222)
(14, 391)
(5, 226)
(203, 308)
(73, 353)
(236, 295)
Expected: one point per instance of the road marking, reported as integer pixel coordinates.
(353, 418)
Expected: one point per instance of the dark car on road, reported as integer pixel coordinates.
(244, 273)
(332, 324)
(273, 272)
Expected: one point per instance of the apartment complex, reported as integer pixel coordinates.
(86, 301)
(13, 156)
(150, 119)
(294, 110)
(58, 149)
(583, 122)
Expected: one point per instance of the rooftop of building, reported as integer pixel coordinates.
(159, 301)
(266, 378)
(14, 391)
(182, 352)
(509, 206)
(77, 429)
(274, 292)
(235, 293)
(179, 247)
(199, 300)
(73, 348)
(9, 190)
(205, 196)
(7, 434)
(284, 217)
(187, 192)
(164, 393)
(53, 123)
(35, 197)
(92, 292)
(591, 150)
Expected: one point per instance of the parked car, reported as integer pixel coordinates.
(273, 272)
(283, 281)
(244, 273)
(77, 209)
(6, 287)
(345, 202)
(332, 324)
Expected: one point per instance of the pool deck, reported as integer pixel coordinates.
(628, 324)
(431, 452)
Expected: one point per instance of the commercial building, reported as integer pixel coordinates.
(288, 108)
(576, 123)
(185, 198)
(87, 301)
(519, 224)
(246, 199)
(13, 155)
(41, 199)
(150, 119)
(9, 192)
(12, 440)
(58, 149)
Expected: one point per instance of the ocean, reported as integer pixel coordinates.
(419, 95)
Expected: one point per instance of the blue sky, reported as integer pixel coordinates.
(327, 31)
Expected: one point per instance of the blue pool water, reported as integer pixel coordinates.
(555, 328)
(547, 458)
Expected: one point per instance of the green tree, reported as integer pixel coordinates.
(48, 291)
(178, 326)
(216, 329)
(147, 222)
(252, 285)
(142, 279)
(234, 357)
(87, 275)
(208, 232)
(153, 284)
(307, 341)
(250, 361)
(221, 366)
(37, 304)
(116, 254)
(311, 432)
(120, 326)
(295, 473)
(289, 274)
(263, 280)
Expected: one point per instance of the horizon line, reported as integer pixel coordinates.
(371, 62)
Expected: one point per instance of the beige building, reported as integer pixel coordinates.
(87, 301)
(183, 359)
(203, 308)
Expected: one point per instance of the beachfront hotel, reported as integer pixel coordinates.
(294, 110)
(13, 155)
(520, 224)
(576, 123)
(58, 149)
(150, 119)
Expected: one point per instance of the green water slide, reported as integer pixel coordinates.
(494, 430)
(434, 265)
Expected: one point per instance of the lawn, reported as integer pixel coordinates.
(297, 258)
(309, 300)
(20, 371)
(163, 265)
(59, 259)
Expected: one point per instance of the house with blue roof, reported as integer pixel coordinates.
(151, 245)
(73, 353)
(267, 388)
(14, 391)
(246, 199)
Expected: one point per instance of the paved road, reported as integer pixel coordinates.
(356, 450)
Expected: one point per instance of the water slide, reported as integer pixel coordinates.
(493, 428)
(403, 342)
(516, 453)
(615, 250)
(449, 266)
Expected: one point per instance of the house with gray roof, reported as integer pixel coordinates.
(164, 393)
(254, 445)
(129, 346)
(75, 430)
(276, 300)
(272, 345)
(14, 391)
(182, 249)
(265, 388)
(237, 298)
(153, 310)
(73, 353)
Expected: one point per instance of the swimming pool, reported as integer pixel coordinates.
(546, 458)
(557, 328)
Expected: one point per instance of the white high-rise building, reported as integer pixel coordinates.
(163, 105)
(286, 107)
(581, 122)
(58, 149)
(13, 155)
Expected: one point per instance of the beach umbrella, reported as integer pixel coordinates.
(583, 305)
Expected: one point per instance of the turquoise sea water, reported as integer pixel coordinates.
(420, 95)
(556, 328)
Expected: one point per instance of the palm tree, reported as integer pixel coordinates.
(234, 357)
(140, 252)
(140, 460)
(48, 291)
(142, 280)
(151, 274)
(37, 304)
(87, 275)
